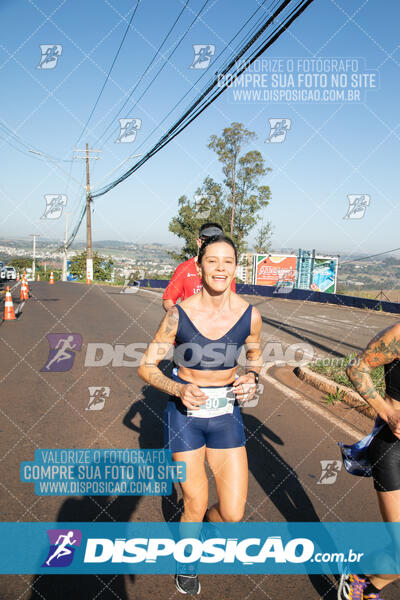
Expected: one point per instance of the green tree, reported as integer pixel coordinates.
(20, 264)
(228, 149)
(250, 197)
(235, 203)
(263, 239)
(208, 205)
(102, 267)
(242, 174)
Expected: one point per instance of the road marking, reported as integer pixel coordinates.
(327, 320)
(20, 307)
(151, 292)
(322, 412)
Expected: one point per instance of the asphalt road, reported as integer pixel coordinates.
(331, 330)
(288, 433)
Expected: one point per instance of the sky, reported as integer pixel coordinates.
(334, 151)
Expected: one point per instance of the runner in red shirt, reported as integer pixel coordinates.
(185, 281)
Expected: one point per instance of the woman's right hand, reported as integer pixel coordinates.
(392, 418)
(192, 396)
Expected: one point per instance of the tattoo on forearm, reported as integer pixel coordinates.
(379, 351)
(163, 383)
(171, 320)
(364, 385)
(383, 352)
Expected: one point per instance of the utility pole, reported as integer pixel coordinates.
(34, 235)
(89, 253)
(64, 272)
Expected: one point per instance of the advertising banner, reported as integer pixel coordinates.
(273, 268)
(224, 548)
(324, 275)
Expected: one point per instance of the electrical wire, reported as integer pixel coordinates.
(144, 72)
(109, 71)
(370, 256)
(29, 147)
(209, 95)
(24, 152)
(212, 85)
(240, 70)
(81, 198)
(165, 62)
(203, 74)
(202, 102)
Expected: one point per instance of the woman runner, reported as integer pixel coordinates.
(384, 449)
(209, 329)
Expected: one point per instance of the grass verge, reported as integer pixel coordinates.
(335, 369)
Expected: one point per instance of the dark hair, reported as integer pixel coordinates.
(207, 225)
(212, 240)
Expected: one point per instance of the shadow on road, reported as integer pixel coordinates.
(34, 299)
(68, 587)
(282, 486)
(106, 509)
(305, 335)
(150, 410)
(275, 476)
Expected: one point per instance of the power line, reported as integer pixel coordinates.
(83, 209)
(209, 88)
(204, 73)
(185, 120)
(109, 72)
(145, 71)
(16, 139)
(166, 61)
(371, 256)
(190, 114)
(202, 102)
(7, 141)
(76, 228)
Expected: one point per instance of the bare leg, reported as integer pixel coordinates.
(195, 488)
(389, 504)
(230, 470)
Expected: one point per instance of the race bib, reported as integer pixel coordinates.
(220, 401)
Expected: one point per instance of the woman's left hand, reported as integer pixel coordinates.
(244, 387)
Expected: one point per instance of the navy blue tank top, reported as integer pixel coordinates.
(392, 379)
(195, 351)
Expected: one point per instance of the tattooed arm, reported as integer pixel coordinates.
(190, 394)
(156, 351)
(244, 386)
(381, 350)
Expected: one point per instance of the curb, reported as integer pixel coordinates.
(323, 384)
(309, 405)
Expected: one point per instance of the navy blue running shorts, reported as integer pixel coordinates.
(183, 433)
(384, 455)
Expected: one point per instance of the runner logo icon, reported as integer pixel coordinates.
(203, 54)
(330, 471)
(128, 130)
(62, 351)
(54, 206)
(62, 542)
(50, 55)
(278, 129)
(97, 397)
(358, 204)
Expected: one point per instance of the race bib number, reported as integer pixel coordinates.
(220, 401)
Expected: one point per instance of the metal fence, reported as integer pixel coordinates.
(295, 294)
